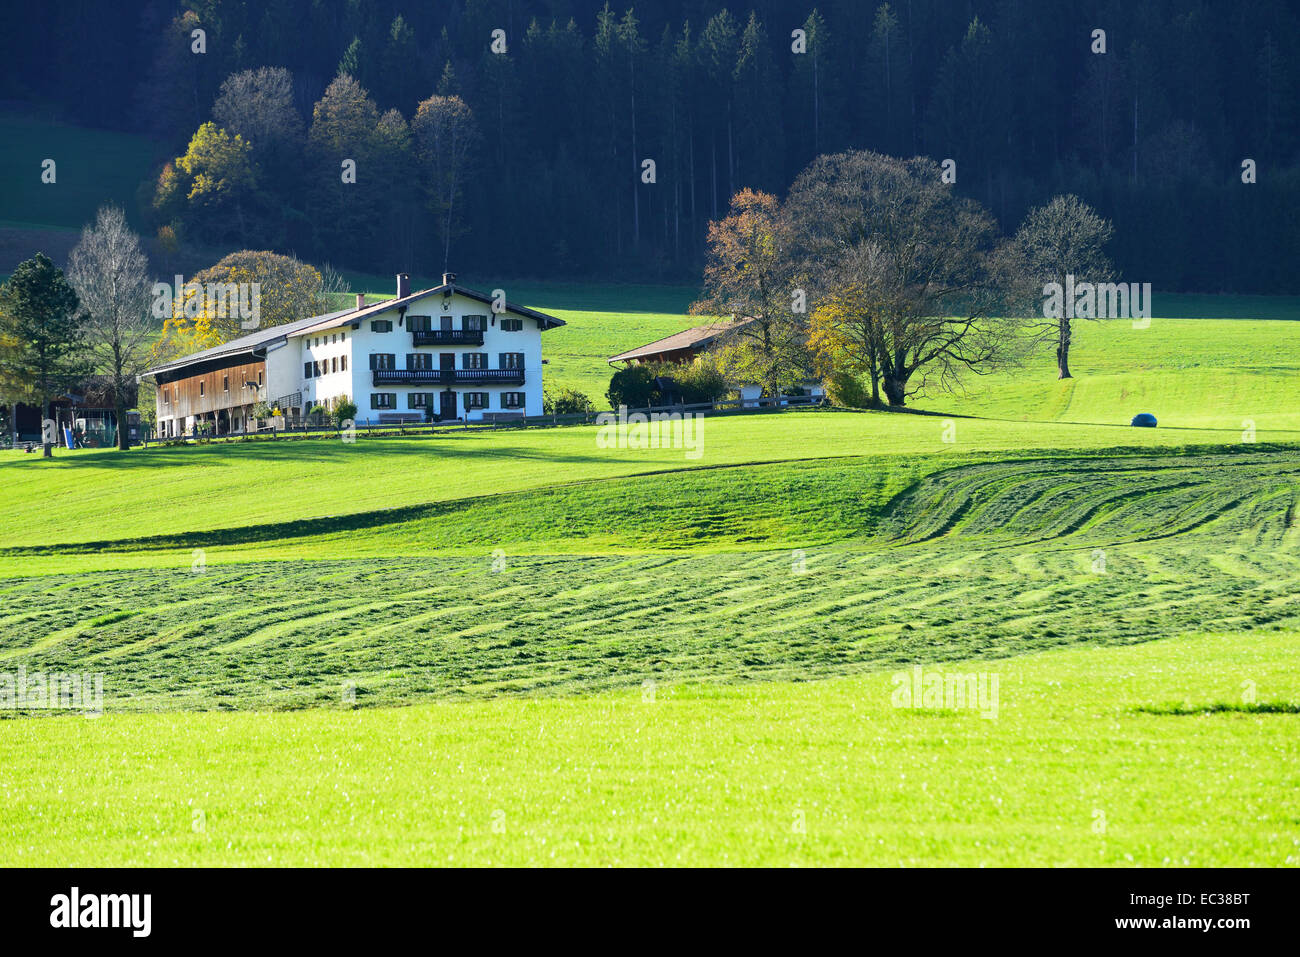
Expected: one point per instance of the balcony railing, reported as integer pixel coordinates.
(448, 377)
(447, 337)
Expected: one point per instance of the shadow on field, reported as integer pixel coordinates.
(307, 451)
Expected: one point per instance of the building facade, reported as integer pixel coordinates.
(443, 354)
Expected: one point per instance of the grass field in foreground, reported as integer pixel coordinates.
(1071, 772)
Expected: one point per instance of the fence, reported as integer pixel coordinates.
(315, 426)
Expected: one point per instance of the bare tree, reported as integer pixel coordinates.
(1063, 238)
(258, 105)
(447, 135)
(109, 272)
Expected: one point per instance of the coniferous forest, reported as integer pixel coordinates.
(524, 151)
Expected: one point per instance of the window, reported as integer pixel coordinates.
(334, 364)
(511, 324)
(167, 396)
(201, 386)
(511, 360)
(419, 323)
(476, 400)
(419, 360)
(343, 363)
(474, 360)
(334, 338)
(306, 370)
(512, 400)
(381, 325)
(259, 380)
(383, 400)
(473, 323)
(318, 367)
(383, 360)
(419, 400)
(225, 383)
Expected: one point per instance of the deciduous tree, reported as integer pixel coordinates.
(747, 284)
(891, 234)
(1064, 237)
(109, 272)
(446, 134)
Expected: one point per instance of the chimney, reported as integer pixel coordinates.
(361, 300)
(448, 278)
(403, 285)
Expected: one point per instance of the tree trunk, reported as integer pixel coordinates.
(895, 391)
(47, 450)
(1063, 351)
(119, 410)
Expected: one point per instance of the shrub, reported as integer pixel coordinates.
(261, 411)
(344, 410)
(698, 381)
(633, 387)
(844, 390)
(566, 402)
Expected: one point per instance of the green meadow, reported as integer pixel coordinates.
(92, 167)
(521, 647)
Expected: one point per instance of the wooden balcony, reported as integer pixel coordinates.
(447, 337)
(448, 377)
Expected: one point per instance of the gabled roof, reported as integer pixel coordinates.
(260, 340)
(699, 337)
(252, 342)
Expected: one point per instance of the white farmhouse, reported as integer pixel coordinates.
(441, 354)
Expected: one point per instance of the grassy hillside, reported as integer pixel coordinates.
(1190, 373)
(520, 647)
(93, 167)
(96, 495)
(877, 581)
